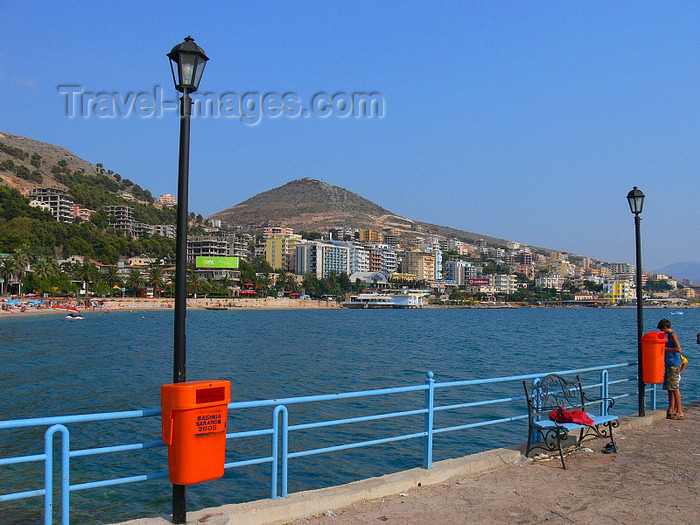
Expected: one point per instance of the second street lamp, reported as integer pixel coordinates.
(187, 61)
(635, 199)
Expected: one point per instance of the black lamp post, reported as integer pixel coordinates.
(635, 198)
(187, 61)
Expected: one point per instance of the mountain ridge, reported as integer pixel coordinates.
(310, 204)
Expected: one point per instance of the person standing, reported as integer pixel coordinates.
(672, 371)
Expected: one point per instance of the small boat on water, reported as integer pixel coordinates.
(676, 312)
(375, 300)
(216, 307)
(74, 317)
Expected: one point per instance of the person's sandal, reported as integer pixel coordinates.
(677, 417)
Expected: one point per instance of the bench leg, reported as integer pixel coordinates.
(612, 439)
(561, 452)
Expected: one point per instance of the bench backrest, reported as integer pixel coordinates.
(554, 391)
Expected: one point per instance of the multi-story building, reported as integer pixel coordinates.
(164, 230)
(141, 229)
(382, 258)
(269, 231)
(549, 281)
(167, 200)
(60, 203)
(460, 272)
(616, 291)
(120, 218)
(421, 264)
(206, 246)
(505, 284)
(359, 256)
(320, 259)
(391, 237)
(370, 235)
(81, 212)
(618, 268)
(280, 251)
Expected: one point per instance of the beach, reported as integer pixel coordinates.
(148, 303)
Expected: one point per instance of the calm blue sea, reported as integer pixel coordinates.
(118, 360)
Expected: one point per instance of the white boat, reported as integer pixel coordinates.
(375, 300)
(676, 312)
(74, 317)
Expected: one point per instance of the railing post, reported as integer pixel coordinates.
(604, 392)
(65, 474)
(275, 450)
(653, 397)
(429, 406)
(537, 402)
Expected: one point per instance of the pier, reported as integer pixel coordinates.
(652, 478)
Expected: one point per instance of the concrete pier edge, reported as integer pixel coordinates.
(316, 501)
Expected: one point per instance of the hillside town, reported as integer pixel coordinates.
(280, 261)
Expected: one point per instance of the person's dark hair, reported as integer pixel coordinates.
(664, 323)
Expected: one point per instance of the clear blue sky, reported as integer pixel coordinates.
(526, 121)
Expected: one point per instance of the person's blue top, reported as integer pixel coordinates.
(671, 358)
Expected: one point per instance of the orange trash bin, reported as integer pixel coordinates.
(194, 416)
(653, 349)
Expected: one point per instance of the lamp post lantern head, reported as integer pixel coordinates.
(635, 198)
(187, 61)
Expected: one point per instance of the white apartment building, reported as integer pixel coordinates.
(506, 284)
(549, 281)
(460, 272)
(320, 259)
(359, 256)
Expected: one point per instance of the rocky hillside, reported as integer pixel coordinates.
(311, 205)
(27, 163)
(32, 162)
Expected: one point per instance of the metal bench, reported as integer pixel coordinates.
(554, 391)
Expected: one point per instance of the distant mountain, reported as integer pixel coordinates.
(682, 270)
(312, 205)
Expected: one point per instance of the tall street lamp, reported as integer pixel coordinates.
(635, 198)
(187, 61)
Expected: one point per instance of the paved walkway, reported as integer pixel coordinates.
(654, 478)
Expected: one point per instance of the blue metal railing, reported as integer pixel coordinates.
(280, 430)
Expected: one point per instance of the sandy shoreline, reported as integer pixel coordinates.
(132, 304)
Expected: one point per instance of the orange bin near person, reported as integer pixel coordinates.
(194, 416)
(653, 348)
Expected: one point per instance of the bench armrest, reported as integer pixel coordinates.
(610, 401)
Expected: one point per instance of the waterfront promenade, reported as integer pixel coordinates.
(652, 479)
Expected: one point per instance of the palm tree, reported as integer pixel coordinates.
(226, 283)
(112, 278)
(22, 260)
(135, 281)
(194, 281)
(46, 268)
(87, 273)
(8, 269)
(155, 279)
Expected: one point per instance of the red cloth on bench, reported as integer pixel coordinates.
(562, 415)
